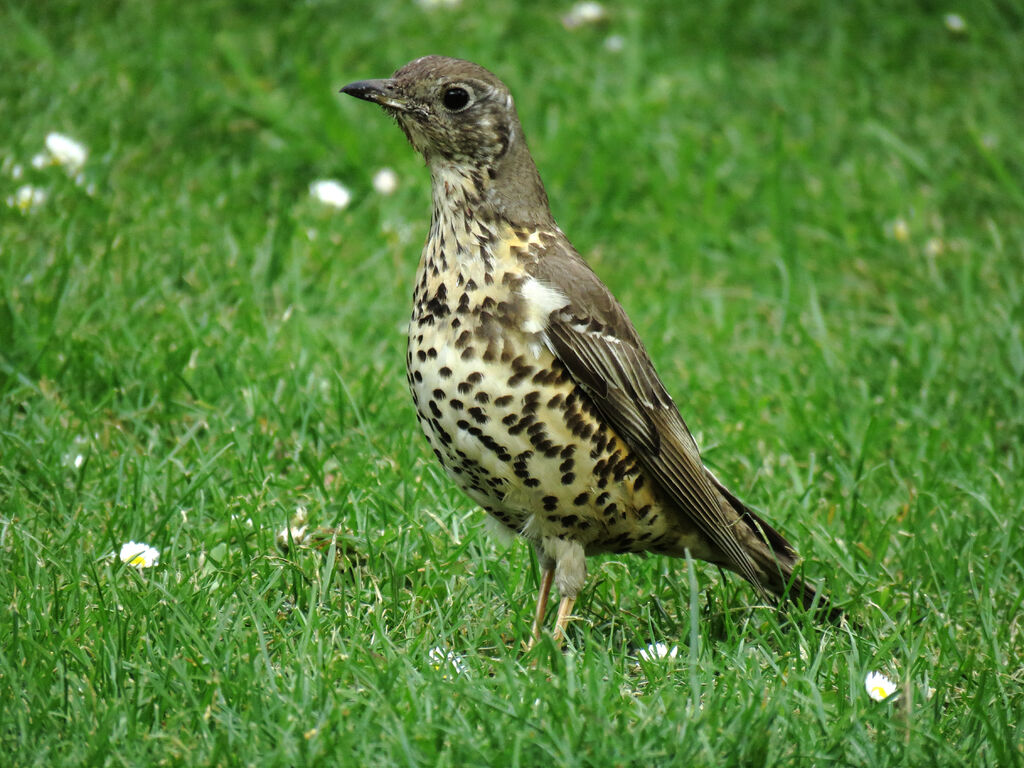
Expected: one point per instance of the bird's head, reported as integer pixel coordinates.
(451, 110)
(461, 117)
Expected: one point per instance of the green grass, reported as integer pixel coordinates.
(814, 214)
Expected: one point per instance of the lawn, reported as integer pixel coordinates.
(813, 212)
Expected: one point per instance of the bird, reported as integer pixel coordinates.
(529, 380)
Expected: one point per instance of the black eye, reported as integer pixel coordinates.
(455, 99)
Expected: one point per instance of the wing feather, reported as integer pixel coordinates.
(595, 340)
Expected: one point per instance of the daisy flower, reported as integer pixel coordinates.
(584, 13)
(295, 531)
(878, 686)
(439, 658)
(656, 651)
(955, 23)
(331, 192)
(614, 43)
(139, 555)
(27, 198)
(66, 151)
(385, 181)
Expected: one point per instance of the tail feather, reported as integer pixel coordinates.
(778, 562)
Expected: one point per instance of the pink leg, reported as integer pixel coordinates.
(564, 609)
(547, 577)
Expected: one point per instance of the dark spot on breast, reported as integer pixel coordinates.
(567, 478)
(439, 394)
(502, 401)
(521, 425)
(580, 500)
(478, 415)
(550, 503)
(543, 377)
(444, 372)
(621, 468)
(455, 403)
(441, 432)
(541, 443)
(517, 378)
(482, 397)
(575, 424)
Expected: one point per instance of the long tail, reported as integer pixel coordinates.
(778, 561)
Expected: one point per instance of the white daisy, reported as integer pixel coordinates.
(656, 651)
(27, 198)
(878, 686)
(66, 151)
(955, 23)
(899, 230)
(584, 13)
(295, 531)
(385, 181)
(440, 658)
(331, 192)
(614, 43)
(140, 555)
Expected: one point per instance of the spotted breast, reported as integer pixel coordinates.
(501, 413)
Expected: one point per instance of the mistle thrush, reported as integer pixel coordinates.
(529, 380)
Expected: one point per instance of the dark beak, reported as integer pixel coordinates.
(378, 91)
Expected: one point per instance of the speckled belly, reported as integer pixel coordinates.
(522, 440)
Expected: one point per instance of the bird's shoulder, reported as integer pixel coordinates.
(586, 326)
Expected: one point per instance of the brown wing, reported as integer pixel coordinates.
(595, 340)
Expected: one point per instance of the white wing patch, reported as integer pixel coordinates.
(541, 301)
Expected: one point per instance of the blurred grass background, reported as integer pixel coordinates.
(814, 213)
